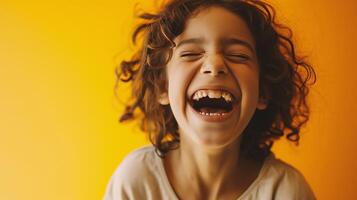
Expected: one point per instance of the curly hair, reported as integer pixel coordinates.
(284, 77)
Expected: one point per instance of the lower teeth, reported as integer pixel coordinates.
(212, 114)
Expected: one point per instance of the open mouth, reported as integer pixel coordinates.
(212, 102)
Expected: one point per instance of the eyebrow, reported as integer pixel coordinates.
(229, 41)
(190, 41)
(233, 41)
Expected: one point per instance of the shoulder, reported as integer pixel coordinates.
(286, 181)
(138, 161)
(138, 170)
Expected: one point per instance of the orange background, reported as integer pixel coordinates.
(59, 136)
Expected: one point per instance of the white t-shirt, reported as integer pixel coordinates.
(141, 176)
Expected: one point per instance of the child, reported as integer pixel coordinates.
(217, 82)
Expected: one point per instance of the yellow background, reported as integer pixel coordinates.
(59, 135)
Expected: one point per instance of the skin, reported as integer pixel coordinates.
(216, 50)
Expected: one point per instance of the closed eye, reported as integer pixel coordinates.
(238, 57)
(190, 56)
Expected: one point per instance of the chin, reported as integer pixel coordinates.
(214, 140)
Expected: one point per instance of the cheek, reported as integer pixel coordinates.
(248, 81)
(178, 77)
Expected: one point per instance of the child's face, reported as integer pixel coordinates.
(215, 54)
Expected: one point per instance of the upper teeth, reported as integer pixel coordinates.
(212, 94)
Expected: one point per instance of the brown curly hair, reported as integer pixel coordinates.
(284, 76)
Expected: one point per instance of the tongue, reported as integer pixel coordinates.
(212, 110)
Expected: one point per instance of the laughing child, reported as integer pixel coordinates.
(217, 82)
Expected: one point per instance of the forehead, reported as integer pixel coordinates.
(216, 23)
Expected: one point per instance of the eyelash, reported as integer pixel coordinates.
(241, 57)
(189, 54)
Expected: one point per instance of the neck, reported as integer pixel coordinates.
(209, 166)
(209, 172)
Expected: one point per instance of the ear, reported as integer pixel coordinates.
(264, 96)
(164, 99)
(262, 104)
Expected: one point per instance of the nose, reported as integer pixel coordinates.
(214, 65)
